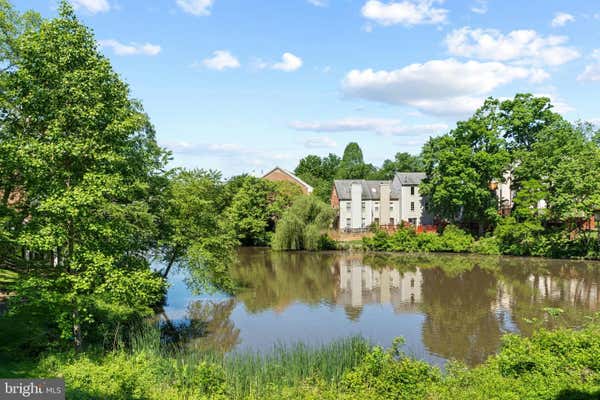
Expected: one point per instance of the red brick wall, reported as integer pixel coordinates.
(335, 201)
(278, 175)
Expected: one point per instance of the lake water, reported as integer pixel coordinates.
(445, 306)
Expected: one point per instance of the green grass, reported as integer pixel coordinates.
(550, 365)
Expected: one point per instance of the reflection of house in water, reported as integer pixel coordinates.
(361, 284)
(574, 291)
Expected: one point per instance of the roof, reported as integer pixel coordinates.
(370, 189)
(409, 178)
(294, 177)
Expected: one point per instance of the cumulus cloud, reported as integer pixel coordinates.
(523, 46)
(196, 7)
(221, 60)
(320, 142)
(380, 126)
(289, 62)
(407, 12)
(131, 49)
(92, 6)
(592, 71)
(441, 87)
(561, 19)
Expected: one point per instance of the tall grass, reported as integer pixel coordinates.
(252, 373)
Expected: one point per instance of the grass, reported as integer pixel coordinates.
(562, 364)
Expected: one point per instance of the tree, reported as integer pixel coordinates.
(194, 233)
(303, 224)
(256, 207)
(460, 167)
(319, 173)
(403, 162)
(353, 165)
(85, 163)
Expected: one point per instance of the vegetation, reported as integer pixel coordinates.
(303, 226)
(256, 207)
(560, 364)
(320, 172)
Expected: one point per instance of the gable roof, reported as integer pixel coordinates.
(409, 178)
(309, 188)
(370, 189)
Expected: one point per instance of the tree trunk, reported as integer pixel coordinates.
(171, 262)
(78, 341)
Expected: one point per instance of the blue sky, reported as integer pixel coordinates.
(244, 85)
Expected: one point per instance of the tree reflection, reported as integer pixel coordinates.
(277, 279)
(207, 327)
(459, 321)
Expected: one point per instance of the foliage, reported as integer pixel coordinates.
(460, 166)
(256, 207)
(406, 239)
(84, 169)
(402, 162)
(303, 225)
(486, 245)
(194, 235)
(561, 364)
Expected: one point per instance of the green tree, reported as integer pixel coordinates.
(319, 173)
(85, 163)
(194, 233)
(402, 162)
(256, 207)
(303, 225)
(353, 164)
(460, 166)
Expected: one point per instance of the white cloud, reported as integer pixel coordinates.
(221, 60)
(561, 19)
(92, 6)
(319, 142)
(523, 46)
(131, 49)
(441, 87)
(289, 62)
(591, 71)
(196, 7)
(480, 7)
(318, 3)
(380, 126)
(407, 12)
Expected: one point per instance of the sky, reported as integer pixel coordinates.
(242, 86)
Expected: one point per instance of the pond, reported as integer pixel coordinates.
(445, 306)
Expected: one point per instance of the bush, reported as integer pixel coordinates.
(456, 240)
(486, 245)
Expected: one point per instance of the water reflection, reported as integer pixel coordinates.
(446, 306)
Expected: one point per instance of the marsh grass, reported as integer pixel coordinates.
(251, 373)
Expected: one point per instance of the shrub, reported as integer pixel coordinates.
(456, 240)
(486, 245)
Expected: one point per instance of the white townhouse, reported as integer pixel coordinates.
(362, 203)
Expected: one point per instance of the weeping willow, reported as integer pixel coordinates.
(303, 225)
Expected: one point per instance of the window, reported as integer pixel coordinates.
(364, 222)
(363, 205)
(348, 206)
(412, 283)
(391, 208)
(348, 222)
(391, 221)
(412, 206)
(376, 221)
(412, 221)
(412, 190)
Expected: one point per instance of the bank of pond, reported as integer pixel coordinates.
(325, 325)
